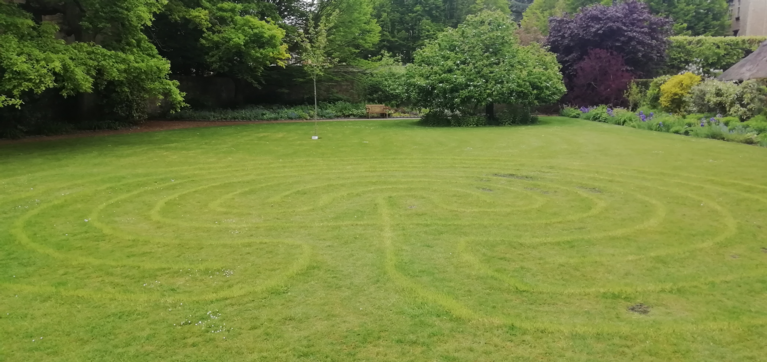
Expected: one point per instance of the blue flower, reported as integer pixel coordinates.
(660, 124)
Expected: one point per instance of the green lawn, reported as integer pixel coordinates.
(384, 241)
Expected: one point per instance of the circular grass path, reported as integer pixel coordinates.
(384, 241)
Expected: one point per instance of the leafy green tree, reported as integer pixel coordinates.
(407, 25)
(118, 61)
(480, 63)
(518, 7)
(385, 81)
(221, 37)
(694, 17)
(536, 18)
(354, 31)
(691, 17)
(315, 56)
(574, 6)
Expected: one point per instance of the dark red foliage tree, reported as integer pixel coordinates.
(628, 29)
(600, 78)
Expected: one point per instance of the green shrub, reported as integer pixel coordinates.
(339, 109)
(516, 114)
(435, 119)
(749, 100)
(652, 96)
(758, 124)
(711, 130)
(674, 92)
(102, 125)
(677, 130)
(443, 119)
(730, 121)
(468, 121)
(598, 114)
(634, 95)
(710, 53)
(741, 101)
(13, 132)
(711, 96)
(385, 82)
(48, 128)
(570, 112)
(624, 117)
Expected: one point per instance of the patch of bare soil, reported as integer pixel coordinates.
(591, 189)
(511, 175)
(639, 308)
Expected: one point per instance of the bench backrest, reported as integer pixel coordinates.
(376, 108)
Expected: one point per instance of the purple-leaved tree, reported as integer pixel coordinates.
(600, 78)
(628, 29)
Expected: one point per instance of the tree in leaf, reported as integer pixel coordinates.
(354, 30)
(535, 20)
(600, 78)
(235, 39)
(694, 17)
(315, 56)
(628, 29)
(106, 52)
(481, 63)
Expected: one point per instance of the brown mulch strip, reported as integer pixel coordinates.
(153, 126)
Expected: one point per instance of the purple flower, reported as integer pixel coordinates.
(660, 124)
(713, 120)
(643, 117)
(610, 112)
(584, 110)
(703, 122)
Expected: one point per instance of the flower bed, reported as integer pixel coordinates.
(753, 131)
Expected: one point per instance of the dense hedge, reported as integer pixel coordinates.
(720, 52)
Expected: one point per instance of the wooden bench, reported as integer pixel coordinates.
(379, 109)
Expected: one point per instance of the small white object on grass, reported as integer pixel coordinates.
(315, 137)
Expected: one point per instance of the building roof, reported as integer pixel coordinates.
(753, 66)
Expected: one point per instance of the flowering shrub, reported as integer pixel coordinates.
(673, 93)
(712, 96)
(749, 100)
(696, 125)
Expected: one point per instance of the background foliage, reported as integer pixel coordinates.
(628, 29)
(600, 78)
(480, 63)
(717, 53)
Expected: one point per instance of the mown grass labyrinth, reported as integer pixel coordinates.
(384, 241)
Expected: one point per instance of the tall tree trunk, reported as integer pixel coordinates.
(315, 104)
